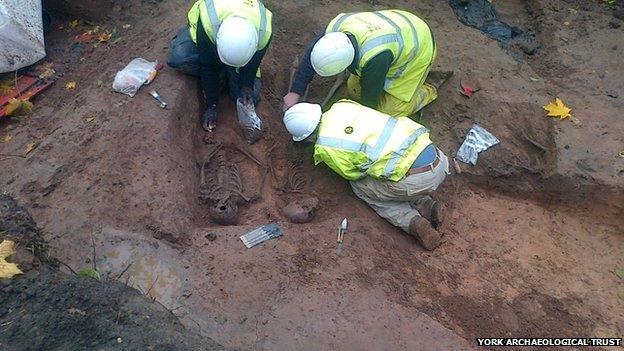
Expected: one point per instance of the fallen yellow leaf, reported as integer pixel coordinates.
(104, 37)
(7, 138)
(7, 269)
(558, 109)
(30, 147)
(70, 85)
(18, 106)
(45, 70)
(74, 23)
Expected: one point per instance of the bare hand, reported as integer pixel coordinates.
(290, 100)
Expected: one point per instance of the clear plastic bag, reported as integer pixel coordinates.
(130, 79)
(249, 121)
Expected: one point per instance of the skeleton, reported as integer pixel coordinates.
(296, 180)
(223, 190)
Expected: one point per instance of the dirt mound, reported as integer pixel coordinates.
(18, 225)
(45, 309)
(48, 310)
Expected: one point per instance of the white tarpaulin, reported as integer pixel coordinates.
(21, 34)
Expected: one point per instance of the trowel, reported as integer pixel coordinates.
(341, 230)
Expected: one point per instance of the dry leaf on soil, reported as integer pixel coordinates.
(74, 23)
(558, 109)
(7, 269)
(7, 138)
(104, 37)
(70, 85)
(45, 70)
(30, 147)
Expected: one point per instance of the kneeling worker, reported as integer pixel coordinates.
(391, 162)
(224, 38)
(388, 53)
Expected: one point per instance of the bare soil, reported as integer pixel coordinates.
(533, 233)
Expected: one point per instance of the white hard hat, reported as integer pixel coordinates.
(332, 54)
(302, 119)
(237, 41)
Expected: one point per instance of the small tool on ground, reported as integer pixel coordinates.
(158, 98)
(341, 230)
(260, 235)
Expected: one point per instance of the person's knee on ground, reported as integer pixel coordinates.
(183, 54)
(392, 106)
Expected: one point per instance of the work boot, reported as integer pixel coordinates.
(429, 209)
(438, 78)
(427, 236)
(209, 118)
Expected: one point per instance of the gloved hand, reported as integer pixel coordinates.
(247, 96)
(209, 118)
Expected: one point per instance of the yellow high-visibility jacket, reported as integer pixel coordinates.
(408, 38)
(214, 12)
(356, 141)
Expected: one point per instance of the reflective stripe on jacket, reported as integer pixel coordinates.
(214, 12)
(408, 38)
(356, 141)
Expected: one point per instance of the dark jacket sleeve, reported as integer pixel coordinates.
(374, 78)
(210, 66)
(305, 71)
(248, 72)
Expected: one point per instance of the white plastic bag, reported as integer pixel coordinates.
(477, 140)
(130, 79)
(21, 34)
(249, 121)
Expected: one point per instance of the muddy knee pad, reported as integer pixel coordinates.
(183, 54)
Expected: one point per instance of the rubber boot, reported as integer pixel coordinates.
(427, 236)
